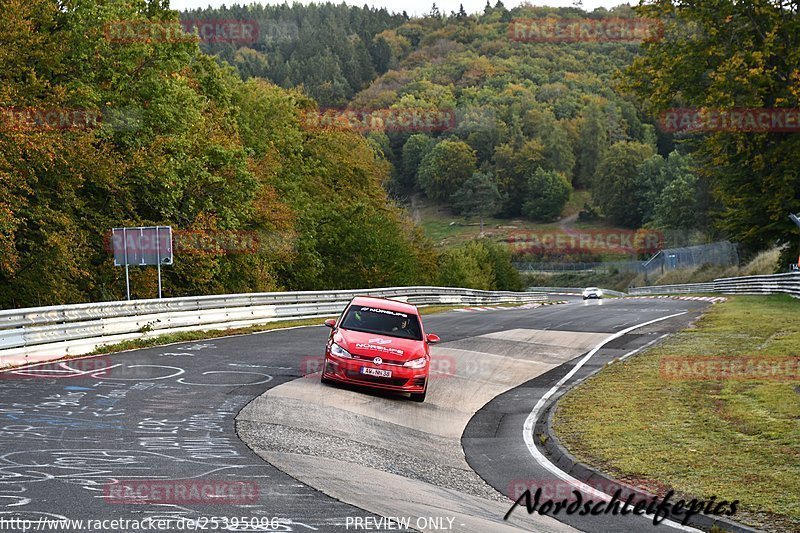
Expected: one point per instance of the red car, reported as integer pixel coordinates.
(379, 343)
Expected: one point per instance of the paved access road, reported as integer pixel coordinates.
(73, 432)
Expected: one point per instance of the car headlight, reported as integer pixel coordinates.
(416, 363)
(338, 351)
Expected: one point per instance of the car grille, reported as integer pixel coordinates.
(395, 362)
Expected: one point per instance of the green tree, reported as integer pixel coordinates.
(556, 147)
(617, 184)
(592, 143)
(676, 196)
(677, 206)
(414, 151)
(477, 197)
(513, 165)
(548, 192)
(653, 179)
(445, 169)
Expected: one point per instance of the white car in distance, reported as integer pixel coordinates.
(592, 292)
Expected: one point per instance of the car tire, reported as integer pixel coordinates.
(322, 378)
(419, 396)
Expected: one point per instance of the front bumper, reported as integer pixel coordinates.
(403, 379)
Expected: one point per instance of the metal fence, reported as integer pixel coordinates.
(47, 333)
(607, 266)
(721, 253)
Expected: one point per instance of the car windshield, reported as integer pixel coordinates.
(382, 321)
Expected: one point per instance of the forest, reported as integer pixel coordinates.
(531, 119)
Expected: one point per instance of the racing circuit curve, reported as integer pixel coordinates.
(334, 455)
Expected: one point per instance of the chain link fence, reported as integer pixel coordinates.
(721, 253)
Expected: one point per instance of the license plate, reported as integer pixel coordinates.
(376, 372)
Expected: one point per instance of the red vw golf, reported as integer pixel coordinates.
(379, 343)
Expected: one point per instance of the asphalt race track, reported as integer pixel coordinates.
(339, 459)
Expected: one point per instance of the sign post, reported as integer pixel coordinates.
(127, 275)
(796, 219)
(142, 246)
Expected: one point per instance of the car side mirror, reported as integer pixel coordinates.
(331, 323)
(433, 338)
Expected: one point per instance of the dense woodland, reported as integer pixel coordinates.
(213, 139)
(193, 146)
(533, 120)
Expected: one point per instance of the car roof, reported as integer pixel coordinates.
(385, 303)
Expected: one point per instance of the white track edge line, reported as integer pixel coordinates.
(527, 428)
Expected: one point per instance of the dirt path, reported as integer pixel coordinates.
(566, 223)
(416, 215)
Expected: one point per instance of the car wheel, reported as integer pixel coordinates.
(419, 396)
(323, 379)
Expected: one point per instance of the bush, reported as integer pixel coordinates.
(479, 264)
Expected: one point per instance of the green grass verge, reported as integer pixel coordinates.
(737, 440)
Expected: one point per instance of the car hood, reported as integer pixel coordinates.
(371, 345)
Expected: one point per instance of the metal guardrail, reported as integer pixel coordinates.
(572, 290)
(44, 333)
(788, 283)
(672, 289)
